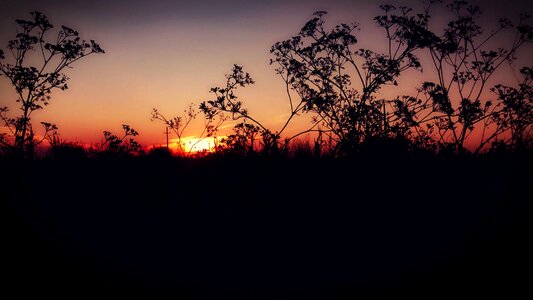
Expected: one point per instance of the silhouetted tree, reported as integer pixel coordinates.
(36, 68)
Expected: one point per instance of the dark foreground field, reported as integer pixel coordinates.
(267, 228)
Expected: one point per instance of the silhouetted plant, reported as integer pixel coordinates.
(454, 106)
(31, 141)
(61, 149)
(320, 65)
(179, 124)
(123, 145)
(242, 141)
(515, 115)
(159, 153)
(302, 149)
(34, 83)
(227, 102)
(338, 82)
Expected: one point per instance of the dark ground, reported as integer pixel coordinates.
(267, 228)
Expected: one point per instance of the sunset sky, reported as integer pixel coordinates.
(165, 54)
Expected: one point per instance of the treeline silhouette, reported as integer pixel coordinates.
(384, 200)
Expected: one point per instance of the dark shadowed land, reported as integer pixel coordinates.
(267, 228)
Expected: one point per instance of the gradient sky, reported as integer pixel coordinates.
(164, 54)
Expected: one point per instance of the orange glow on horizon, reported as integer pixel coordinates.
(189, 145)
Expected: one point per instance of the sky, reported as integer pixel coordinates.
(165, 54)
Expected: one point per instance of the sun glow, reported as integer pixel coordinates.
(193, 144)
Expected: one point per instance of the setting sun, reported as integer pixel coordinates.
(192, 144)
